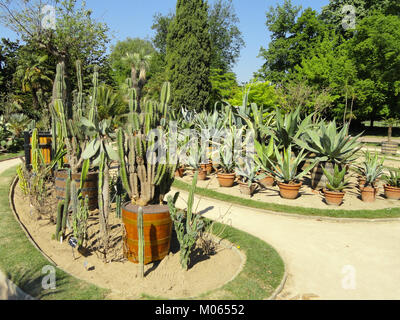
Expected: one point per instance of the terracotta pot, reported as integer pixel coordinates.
(226, 180)
(268, 181)
(289, 191)
(333, 198)
(207, 167)
(246, 189)
(202, 174)
(368, 194)
(179, 172)
(392, 193)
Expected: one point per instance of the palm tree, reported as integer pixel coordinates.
(34, 79)
(138, 61)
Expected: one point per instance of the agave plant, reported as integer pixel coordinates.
(264, 154)
(247, 171)
(371, 168)
(289, 127)
(329, 144)
(286, 166)
(336, 181)
(393, 178)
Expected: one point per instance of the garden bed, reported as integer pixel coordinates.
(165, 278)
(270, 200)
(308, 197)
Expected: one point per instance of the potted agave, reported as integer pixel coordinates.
(286, 172)
(334, 193)
(247, 175)
(226, 175)
(329, 145)
(372, 170)
(262, 156)
(194, 161)
(392, 186)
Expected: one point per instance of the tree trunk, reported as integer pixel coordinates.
(390, 130)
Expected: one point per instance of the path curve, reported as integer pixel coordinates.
(324, 259)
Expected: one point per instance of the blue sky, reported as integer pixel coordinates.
(133, 18)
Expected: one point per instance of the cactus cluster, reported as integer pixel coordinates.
(70, 135)
(145, 178)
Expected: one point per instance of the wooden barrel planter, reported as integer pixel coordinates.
(389, 147)
(90, 186)
(157, 225)
(44, 145)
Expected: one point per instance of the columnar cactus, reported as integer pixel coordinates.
(188, 227)
(140, 241)
(144, 177)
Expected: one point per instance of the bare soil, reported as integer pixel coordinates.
(162, 279)
(308, 197)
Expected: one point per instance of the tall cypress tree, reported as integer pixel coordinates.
(188, 55)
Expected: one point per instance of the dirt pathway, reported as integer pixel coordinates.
(325, 259)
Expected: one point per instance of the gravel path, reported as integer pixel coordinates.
(324, 259)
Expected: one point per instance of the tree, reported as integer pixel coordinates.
(293, 38)
(188, 55)
(334, 12)
(330, 68)
(261, 93)
(77, 36)
(225, 35)
(121, 65)
(8, 65)
(375, 49)
(226, 38)
(223, 85)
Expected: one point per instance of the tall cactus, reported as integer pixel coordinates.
(140, 241)
(67, 198)
(60, 212)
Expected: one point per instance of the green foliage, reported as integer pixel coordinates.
(289, 127)
(330, 144)
(224, 85)
(261, 93)
(265, 154)
(293, 38)
(226, 38)
(188, 56)
(336, 181)
(376, 53)
(121, 67)
(188, 226)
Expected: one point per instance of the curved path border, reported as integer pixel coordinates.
(325, 259)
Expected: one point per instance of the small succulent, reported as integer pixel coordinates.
(336, 181)
(371, 168)
(393, 178)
